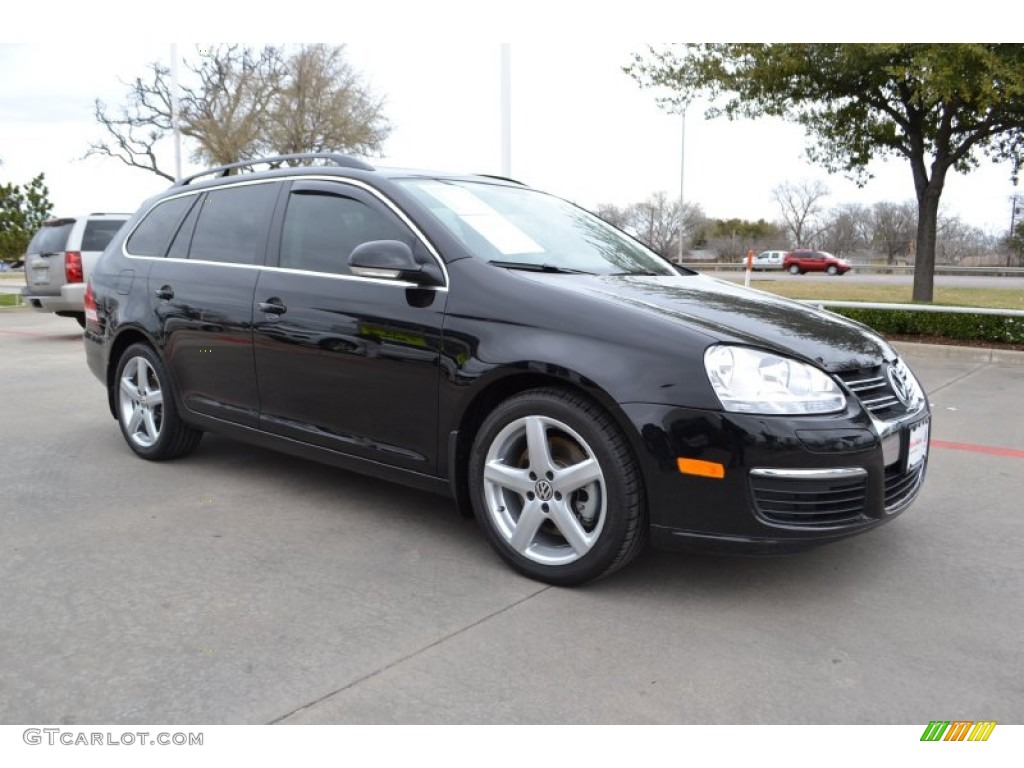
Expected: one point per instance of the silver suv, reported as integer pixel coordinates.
(60, 259)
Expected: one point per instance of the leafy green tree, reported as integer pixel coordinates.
(23, 209)
(938, 106)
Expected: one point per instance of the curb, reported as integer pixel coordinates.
(961, 354)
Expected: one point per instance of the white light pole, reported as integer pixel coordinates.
(682, 166)
(174, 111)
(506, 110)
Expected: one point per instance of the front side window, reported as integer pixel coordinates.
(511, 224)
(232, 224)
(321, 230)
(153, 233)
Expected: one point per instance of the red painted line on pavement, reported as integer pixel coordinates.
(978, 449)
(25, 333)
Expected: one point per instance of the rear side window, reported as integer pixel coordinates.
(99, 233)
(151, 237)
(321, 230)
(51, 238)
(233, 223)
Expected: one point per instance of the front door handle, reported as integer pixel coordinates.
(165, 292)
(273, 306)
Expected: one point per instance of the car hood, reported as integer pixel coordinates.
(731, 313)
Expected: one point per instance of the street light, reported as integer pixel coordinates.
(682, 166)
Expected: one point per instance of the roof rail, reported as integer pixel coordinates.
(345, 161)
(501, 178)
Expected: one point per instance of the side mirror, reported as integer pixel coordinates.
(389, 260)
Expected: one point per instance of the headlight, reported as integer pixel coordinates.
(752, 381)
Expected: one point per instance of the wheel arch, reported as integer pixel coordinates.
(511, 383)
(124, 339)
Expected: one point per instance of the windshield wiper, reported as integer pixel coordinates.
(553, 268)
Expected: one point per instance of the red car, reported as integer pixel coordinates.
(801, 260)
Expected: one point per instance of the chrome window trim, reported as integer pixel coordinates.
(417, 232)
(332, 275)
(834, 473)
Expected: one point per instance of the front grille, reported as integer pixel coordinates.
(902, 487)
(810, 503)
(872, 388)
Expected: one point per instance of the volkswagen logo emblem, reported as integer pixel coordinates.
(898, 379)
(544, 490)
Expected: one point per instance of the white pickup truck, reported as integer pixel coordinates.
(60, 259)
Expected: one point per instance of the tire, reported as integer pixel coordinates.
(145, 407)
(556, 489)
(80, 319)
(794, 269)
(832, 270)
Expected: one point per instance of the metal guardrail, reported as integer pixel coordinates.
(883, 269)
(822, 303)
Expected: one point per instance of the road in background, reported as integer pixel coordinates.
(244, 586)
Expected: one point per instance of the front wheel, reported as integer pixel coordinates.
(794, 269)
(145, 407)
(556, 488)
(832, 270)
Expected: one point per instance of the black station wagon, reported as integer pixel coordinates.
(468, 335)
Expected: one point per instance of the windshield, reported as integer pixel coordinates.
(517, 225)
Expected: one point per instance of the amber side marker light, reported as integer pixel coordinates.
(701, 468)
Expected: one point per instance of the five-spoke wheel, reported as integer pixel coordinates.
(142, 403)
(556, 488)
(145, 407)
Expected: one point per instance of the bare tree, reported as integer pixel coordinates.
(324, 106)
(243, 103)
(956, 240)
(655, 222)
(226, 114)
(895, 228)
(846, 229)
(801, 204)
(613, 214)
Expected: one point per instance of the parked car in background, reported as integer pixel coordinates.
(474, 337)
(799, 261)
(768, 260)
(60, 258)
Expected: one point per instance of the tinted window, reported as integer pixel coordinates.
(51, 238)
(182, 240)
(151, 236)
(321, 230)
(233, 223)
(99, 233)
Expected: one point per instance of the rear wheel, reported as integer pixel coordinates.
(556, 488)
(794, 269)
(145, 407)
(80, 319)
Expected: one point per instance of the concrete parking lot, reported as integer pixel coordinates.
(244, 586)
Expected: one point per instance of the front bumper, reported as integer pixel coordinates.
(790, 482)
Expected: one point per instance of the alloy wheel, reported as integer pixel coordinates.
(544, 490)
(142, 402)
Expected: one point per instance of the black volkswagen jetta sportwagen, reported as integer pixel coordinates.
(472, 336)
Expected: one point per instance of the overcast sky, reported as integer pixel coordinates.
(581, 128)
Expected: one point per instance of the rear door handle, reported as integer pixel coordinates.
(273, 306)
(165, 292)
